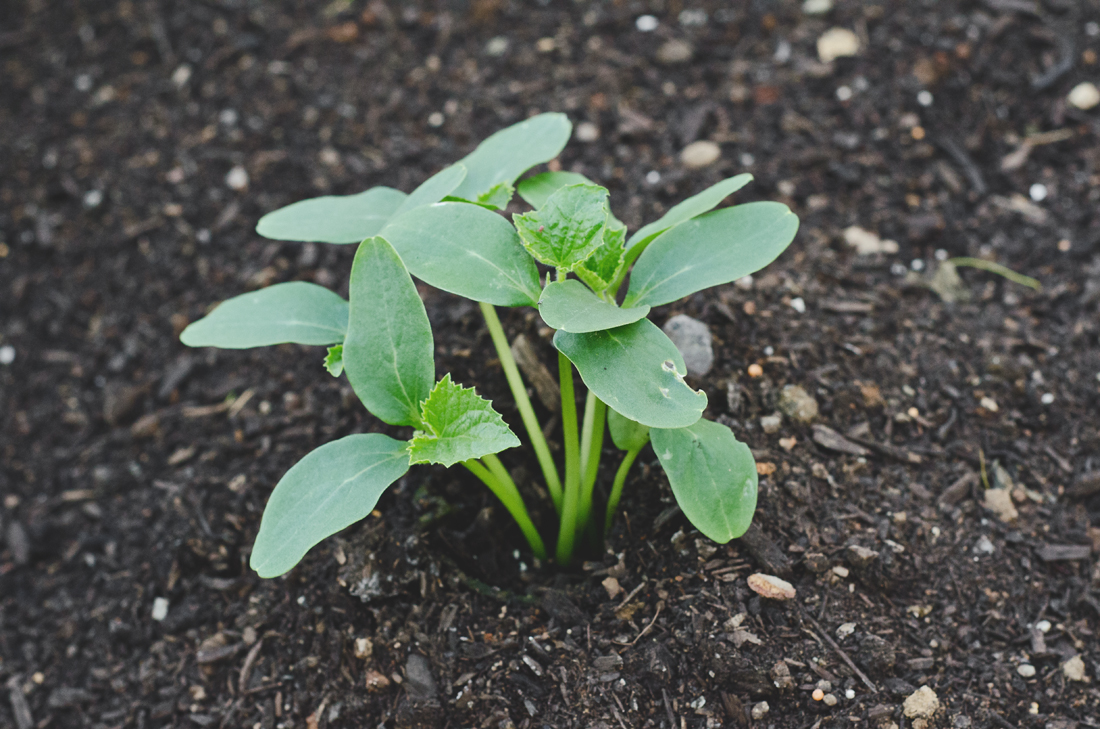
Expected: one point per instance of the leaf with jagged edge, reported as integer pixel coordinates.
(459, 425)
(334, 360)
(603, 266)
(568, 228)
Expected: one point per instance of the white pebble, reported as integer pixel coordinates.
(693, 18)
(817, 7)
(917, 264)
(1092, 28)
(700, 154)
(83, 83)
(7, 354)
(1047, 398)
(747, 160)
(898, 269)
(1026, 670)
(587, 132)
(181, 75)
(228, 117)
(93, 199)
(436, 119)
(941, 254)
(1084, 96)
(924, 98)
(849, 694)
(759, 711)
(745, 284)
(646, 23)
(829, 700)
(160, 609)
(1038, 192)
(237, 179)
(837, 43)
(844, 93)
(496, 46)
(653, 177)
(798, 305)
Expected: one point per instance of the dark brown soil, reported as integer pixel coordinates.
(133, 469)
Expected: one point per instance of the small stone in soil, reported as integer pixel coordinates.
(771, 423)
(692, 337)
(700, 154)
(796, 403)
(921, 704)
(837, 43)
(771, 587)
(675, 51)
(760, 710)
(1084, 96)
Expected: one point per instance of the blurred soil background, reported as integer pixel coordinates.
(927, 436)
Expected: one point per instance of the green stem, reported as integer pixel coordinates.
(998, 269)
(595, 415)
(572, 462)
(617, 489)
(504, 488)
(523, 403)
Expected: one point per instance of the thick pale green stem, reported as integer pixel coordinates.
(595, 415)
(504, 488)
(617, 489)
(523, 403)
(571, 495)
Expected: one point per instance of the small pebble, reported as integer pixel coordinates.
(1084, 96)
(770, 586)
(770, 424)
(237, 179)
(93, 199)
(817, 7)
(844, 93)
(653, 177)
(181, 75)
(818, 695)
(436, 119)
(1043, 626)
(921, 704)
(924, 98)
(1074, 669)
(989, 404)
(798, 304)
(759, 711)
(675, 51)
(830, 700)
(160, 609)
(587, 132)
(646, 23)
(756, 370)
(744, 283)
(496, 46)
(1047, 398)
(849, 694)
(7, 354)
(837, 43)
(1038, 192)
(693, 18)
(1026, 670)
(700, 154)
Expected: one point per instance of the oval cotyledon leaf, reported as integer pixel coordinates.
(570, 306)
(333, 218)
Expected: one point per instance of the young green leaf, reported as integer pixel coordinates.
(605, 263)
(565, 231)
(713, 477)
(711, 249)
(535, 190)
(568, 305)
(626, 434)
(296, 311)
(458, 426)
(388, 352)
(333, 218)
(504, 156)
(331, 488)
(334, 360)
(694, 206)
(636, 370)
(434, 189)
(467, 250)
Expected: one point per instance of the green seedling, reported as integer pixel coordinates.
(450, 234)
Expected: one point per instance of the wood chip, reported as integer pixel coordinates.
(1063, 552)
(828, 438)
(546, 387)
(771, 587)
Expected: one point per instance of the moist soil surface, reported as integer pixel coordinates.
(938, 518)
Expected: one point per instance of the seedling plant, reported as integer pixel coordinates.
(449, 233)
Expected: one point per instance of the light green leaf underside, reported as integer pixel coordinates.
(467, 250)
(626, 434)
(333, 218)
(388, 353)
(636, 370)
(459, 426)
(507, 154)
(535, 190)
(434, 189)
(693, 206)
(565, 231)
(713, 477)
(334, 360)
(297, 311)
(603, 266)
(709, 250)
(570, 306)
(331, 488)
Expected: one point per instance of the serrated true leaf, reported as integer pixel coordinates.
(331, 488)
(568, 305)
(626, 434)
(296, 311)
(458, 425)
(388, 352)
(334, 360)
(507, 154)
(603, 266)
(636, 370)
(565, 231)
(535, 190)
(333, 218)
(713, 477)
(466, 250)
(693, 206)
(709, 250)
(434, 189)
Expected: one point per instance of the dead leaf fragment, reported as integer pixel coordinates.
(999, 501)
(612, 586)
(771, 587)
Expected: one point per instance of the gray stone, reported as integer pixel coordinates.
(795, 402)
(675, 51)
(692, 338)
